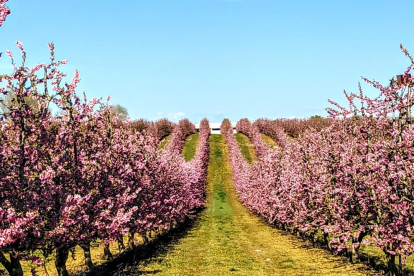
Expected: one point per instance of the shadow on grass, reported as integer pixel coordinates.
(300, 241)
(127, 263)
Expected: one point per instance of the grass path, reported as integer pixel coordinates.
(272, 144)
(227, 240)
(164, 141)
(246, 147)
(190, 147)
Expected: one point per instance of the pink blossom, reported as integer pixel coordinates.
(9, 53)
(19, 45)
(4, 11)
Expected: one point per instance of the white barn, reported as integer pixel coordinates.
(215, 127)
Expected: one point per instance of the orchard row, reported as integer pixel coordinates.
(347, 182)
(82, 175)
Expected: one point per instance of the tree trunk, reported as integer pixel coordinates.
(87, 253)
(16, 266)
(145, 238)
(121, 245)
(314, 238)
(393, 270)
(13, 267)
(354, 255)
(62, 255)
(400, 270)
(107, 253)
(327, 241)
(131, 243)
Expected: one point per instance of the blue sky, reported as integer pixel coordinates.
(216, 58)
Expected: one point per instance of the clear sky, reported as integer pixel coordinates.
(216, 58)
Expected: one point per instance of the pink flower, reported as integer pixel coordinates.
(4, 11)
(9, 53)
(19, 45)
(51, 46)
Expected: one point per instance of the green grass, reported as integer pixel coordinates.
(272, 144)
(164, 142)
(246, 147)
(190, 147)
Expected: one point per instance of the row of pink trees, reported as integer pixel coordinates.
(347, 184)
(241, 169)
(179, 135)
(244, 126)
(274, 131)
(175, 187)
(58, 172)
(196, 168)
(70, 179)
(160, 129)
(296, 127)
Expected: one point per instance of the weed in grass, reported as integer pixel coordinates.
(287, 263)
(218, 153)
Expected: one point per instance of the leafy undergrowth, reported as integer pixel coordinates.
(246, 147)
(227, 240)
(190, 147)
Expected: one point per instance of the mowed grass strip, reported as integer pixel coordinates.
(209, 248)
(227, 240)
(164, 142)
(190, 147)
(246, 147)
(269, 141)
